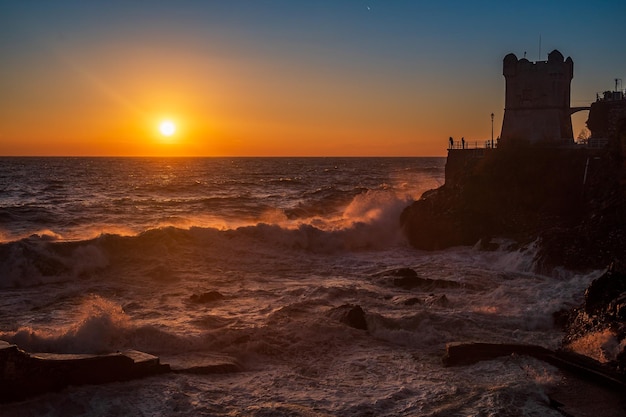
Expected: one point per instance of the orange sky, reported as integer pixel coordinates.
(111, 103)
(298, 80)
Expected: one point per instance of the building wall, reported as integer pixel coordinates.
(606, 117)
(537, 101)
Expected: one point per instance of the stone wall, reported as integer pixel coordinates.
(460, 162)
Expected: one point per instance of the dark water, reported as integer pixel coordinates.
(104, 254)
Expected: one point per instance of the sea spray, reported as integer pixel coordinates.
(39, 259)
(99, 326)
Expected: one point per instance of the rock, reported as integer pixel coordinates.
(581, 392)
(23, 375)
(561, 317)
(349, 314)
(468, 353)
(206, 297)
(528, 194)
(203, 363)
(602, 312)
(604, 290)
(412, 301)
(437, 222)
(408, 279)
(618, 307)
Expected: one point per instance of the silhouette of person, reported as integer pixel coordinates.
(463, 143)
(451, 142)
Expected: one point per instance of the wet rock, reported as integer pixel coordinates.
(459, 354)
(24, 375)
(412, 301)
(588, 388)
(408, 279)
(561, 317)
(349, 314)
(603, 310)
(203, 363)
(468, 353)
(617, 307)
(206, 297)
(604, 290)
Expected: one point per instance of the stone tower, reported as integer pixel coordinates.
(537, 105)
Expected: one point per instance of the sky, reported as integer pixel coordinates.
(282, 77)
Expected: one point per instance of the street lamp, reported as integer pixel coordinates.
(491, 130)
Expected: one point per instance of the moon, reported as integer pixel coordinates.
(167, 128)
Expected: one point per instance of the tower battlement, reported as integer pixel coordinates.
(537, 101)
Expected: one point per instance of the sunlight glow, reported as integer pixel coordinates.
(167, 128)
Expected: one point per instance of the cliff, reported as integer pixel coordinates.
(570, 199)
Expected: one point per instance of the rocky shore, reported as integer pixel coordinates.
(571, 203)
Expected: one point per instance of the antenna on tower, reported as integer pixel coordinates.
(618, 84)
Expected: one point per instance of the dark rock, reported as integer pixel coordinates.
(349, 314)
(437, 222)
(604, 308)
(617, 307)
(412, 301)
(408, 279)
(561, 318)
(525, 194)
(458, 354)
(206, 297)
(23, 375)
(203, 363)
(400, 273)
(469, 353)
(604, 290)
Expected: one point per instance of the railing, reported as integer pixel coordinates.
(467, 144)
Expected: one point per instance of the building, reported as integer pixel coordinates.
(537, 101)
(608, 114)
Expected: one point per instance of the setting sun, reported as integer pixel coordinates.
(167, 128)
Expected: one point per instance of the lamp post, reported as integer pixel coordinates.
(491, 130)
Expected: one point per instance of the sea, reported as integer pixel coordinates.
(101, 255)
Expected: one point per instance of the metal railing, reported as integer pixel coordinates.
(476, 144)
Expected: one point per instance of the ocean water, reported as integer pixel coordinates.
(106, 254)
